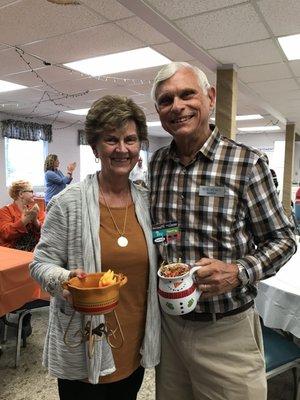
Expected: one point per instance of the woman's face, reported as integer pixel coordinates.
(119, 150)
(26, 195)
(56, 163)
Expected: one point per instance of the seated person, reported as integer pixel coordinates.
(20, 221)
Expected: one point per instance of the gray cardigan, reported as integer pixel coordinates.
(70, 239)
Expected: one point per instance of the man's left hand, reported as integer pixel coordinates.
(216, 277)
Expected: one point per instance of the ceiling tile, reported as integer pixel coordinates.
(255, 53)
(287, 97)
(11, 62)
(172, 51)
(20, 25)
(23, 95)
(209, 30)
(264, 72)
(174, 9)
(111, 9)
(292, 109)
(104, 39)
(211, 76)
(81, 85)
(50, 74)
(295, 66)
(282, 16)
(278, 86)
(141, 30)
(6, 3)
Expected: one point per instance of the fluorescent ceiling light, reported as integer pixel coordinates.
(291, 46)
(246, 117)
(81, 111)
(119, 62)
(154, 123)
(260, 128)
(8, 86)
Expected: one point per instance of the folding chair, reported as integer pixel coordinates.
(27, 308)
(281, 354)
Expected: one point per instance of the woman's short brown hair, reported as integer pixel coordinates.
(49, 162)
(110, 113)
(17, 187)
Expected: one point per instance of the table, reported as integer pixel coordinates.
(16, 285)
(278, 299)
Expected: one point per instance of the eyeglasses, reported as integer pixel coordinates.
(27, 191)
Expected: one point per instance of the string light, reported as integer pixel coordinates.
(21, 53)
(68, 126)
(46, 96)
(133, 81)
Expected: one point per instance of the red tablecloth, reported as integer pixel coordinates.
(16, 285)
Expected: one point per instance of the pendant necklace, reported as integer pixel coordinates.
(122, 239)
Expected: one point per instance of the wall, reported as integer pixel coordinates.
(156, 142)
(64, 144)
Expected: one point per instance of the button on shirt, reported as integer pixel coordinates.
(227, 208)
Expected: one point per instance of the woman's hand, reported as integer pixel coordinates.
(74, 272)
(71, 167)
(33, 214)
(26, 216)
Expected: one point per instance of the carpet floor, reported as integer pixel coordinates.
(30, 381)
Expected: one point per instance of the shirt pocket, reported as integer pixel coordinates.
(221, 214)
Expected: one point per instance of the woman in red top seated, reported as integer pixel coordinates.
(20, 221)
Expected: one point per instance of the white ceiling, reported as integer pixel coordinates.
(207, 33)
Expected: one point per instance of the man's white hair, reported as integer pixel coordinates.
(169, 70)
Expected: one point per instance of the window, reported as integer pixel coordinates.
(24, 159)
(87, 162)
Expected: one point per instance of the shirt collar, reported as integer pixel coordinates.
(208, 149)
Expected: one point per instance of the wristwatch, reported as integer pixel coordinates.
(242, 275)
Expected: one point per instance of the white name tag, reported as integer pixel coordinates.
(216, 191)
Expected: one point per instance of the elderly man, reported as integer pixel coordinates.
(221, 194)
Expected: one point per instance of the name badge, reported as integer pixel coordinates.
(216, 191)
(168, 232)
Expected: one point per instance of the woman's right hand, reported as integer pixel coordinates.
(71, 167)
(26, 216)
(74, 272)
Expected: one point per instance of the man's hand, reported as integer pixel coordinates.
(216, 277)
(74, 272)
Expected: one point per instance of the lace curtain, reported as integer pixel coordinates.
(26, 130)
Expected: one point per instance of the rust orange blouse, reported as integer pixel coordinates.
(12, 229)
(132, 261)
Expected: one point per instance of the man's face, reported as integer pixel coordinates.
(182, 106)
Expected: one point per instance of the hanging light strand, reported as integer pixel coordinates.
(21, 53)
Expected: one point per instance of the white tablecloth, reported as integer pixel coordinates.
(278, 299)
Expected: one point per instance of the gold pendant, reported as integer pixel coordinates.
(122, 241)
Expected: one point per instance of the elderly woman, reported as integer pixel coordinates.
(55, 180)
(99, 224)
(20, 221)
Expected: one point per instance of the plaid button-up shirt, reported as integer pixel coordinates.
(227, 208)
